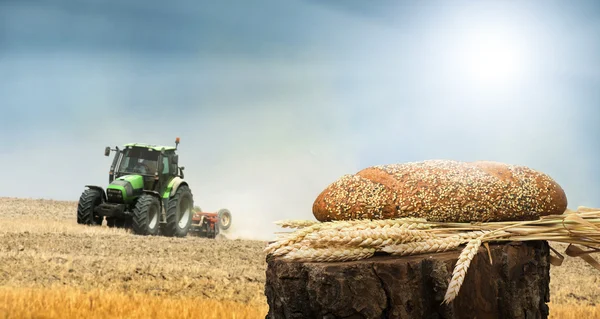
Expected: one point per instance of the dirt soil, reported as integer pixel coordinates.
(41, 245)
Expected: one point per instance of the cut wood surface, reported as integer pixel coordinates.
(515, 285)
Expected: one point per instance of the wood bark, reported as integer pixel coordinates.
(515, 285)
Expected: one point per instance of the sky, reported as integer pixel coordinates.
(274, 100)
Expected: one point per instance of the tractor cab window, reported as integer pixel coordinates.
(165, 165)
(139, 161)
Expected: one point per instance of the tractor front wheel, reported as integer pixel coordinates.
(146, 215)
(179, 213)
(90, 198)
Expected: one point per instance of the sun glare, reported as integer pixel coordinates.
(492, 58)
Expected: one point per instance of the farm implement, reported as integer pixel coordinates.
(205, 224)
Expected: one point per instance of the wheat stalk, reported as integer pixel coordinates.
(460, 270)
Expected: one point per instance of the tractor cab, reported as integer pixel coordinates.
(138, 160)
(155, 164)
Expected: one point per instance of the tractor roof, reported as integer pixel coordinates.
(154, 147)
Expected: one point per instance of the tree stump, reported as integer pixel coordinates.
(515, 285)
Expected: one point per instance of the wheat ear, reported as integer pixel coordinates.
(460, 270)
(373, 237)
(293, 238)
(283, 245)
(421, 247)
(329, 254)
(295, 223)
(331, 235)
(432, 245)
(286, 244)
(417, 223)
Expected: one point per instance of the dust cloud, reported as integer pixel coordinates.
(262, 173)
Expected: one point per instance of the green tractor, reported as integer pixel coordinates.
(146, 193)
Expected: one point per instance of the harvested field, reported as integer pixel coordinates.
(50, 267)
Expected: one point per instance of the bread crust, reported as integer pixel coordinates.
(442, 190)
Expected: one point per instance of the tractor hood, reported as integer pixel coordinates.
(125, 188)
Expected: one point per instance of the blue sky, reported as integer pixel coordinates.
(274, 100)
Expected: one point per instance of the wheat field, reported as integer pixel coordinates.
(50, 267)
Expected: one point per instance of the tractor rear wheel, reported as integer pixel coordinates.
(224, 218)
(146, 214)
(90, 198)
(179, 213)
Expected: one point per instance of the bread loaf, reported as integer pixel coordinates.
(442, 190)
